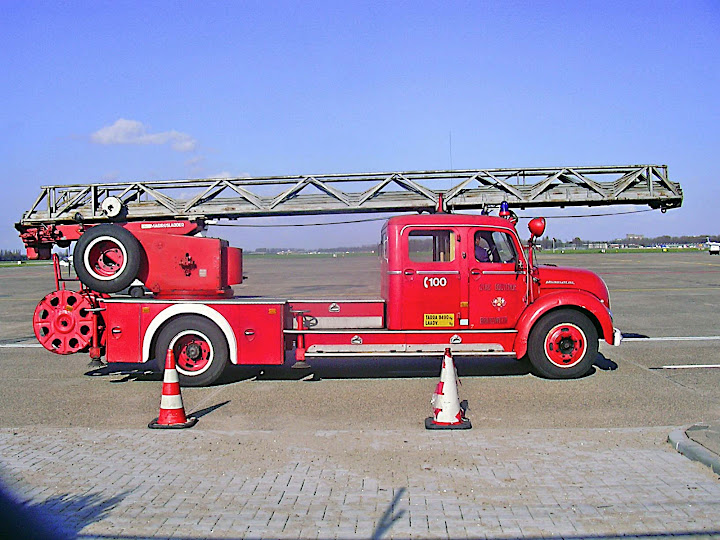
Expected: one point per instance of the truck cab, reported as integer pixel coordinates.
(452, 271)
(472, 275)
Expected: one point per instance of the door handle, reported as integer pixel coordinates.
(409, 272)
(475, 272)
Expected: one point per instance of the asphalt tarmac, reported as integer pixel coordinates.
(665, 302)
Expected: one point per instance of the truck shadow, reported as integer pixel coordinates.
(131, 372)
(376, 368)
(350, 368)
(390, 368)
(604, 363)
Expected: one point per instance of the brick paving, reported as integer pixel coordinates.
(310, 483)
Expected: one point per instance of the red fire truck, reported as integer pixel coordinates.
(447, 280)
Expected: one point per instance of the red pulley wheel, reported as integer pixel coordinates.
(63, 322)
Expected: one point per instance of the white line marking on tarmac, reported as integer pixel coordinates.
(690, 366)
(678, 338)
(19, 345)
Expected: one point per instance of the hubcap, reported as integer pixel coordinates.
(565, 345)
(105, 258)
(193, 352)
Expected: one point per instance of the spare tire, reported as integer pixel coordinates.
(107, 258)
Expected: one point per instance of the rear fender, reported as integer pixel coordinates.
(189, 309)
(582, 301)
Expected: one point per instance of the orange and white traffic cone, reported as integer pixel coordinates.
(172, 412)
(447, 412)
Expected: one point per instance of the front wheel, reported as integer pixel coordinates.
(200, 348)
(563, 345)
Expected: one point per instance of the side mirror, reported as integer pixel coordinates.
(537, 227)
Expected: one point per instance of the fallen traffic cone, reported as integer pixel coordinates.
(447, 412)
(172, 412)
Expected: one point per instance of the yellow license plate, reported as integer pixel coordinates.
(439, 319)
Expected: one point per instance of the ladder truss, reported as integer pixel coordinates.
(233, 198)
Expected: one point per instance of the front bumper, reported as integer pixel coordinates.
(617, 337)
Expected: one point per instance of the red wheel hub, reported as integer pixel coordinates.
(63, 322)
(106, 258)
(565, 345)
(193, 352)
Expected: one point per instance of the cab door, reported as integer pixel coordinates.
(497, 281)
(432, 288)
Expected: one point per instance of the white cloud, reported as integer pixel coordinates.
(195, 165)
(110, 176)
(195, 161)
(133, 132)
(228, 174)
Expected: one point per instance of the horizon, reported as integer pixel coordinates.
(372, 247)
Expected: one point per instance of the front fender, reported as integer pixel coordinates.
(580, 300)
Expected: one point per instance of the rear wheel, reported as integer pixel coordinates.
(563, 345)
(199, 346)
(107, 258)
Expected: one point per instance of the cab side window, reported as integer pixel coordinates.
(494, 247)
(431, 246)
(505, 247)
(384, 245)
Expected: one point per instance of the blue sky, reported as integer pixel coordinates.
(134, 90)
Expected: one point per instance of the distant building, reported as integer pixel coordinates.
(634, 236)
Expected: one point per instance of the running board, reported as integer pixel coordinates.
(460, 349)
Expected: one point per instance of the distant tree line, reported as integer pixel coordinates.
(12, 255)
(665, 239)
(344, 249)
(349, 249)
(547, 242)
